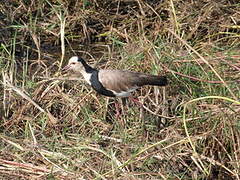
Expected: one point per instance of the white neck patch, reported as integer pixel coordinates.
(87, 76)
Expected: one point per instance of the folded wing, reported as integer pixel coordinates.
(119, 81)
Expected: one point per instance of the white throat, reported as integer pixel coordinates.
(87, 76)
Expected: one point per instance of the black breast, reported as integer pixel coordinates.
(97, 85)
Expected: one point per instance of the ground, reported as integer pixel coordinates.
(54, 126)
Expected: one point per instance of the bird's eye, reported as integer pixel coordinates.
(73, 63)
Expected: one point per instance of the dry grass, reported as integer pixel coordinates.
(54, 127)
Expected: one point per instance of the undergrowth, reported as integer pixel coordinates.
(54, 126)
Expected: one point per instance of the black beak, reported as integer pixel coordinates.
(66, 68)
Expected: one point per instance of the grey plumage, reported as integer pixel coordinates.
(121, 80)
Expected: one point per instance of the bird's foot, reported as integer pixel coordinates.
(136, 101)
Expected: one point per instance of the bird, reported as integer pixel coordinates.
(110, 82)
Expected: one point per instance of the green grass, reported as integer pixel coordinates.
(59, 128)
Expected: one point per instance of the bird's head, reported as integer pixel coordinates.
(75, 64)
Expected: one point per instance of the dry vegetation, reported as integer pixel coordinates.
(54, 128)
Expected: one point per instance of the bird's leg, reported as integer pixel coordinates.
(136, 101)
(120, 113)
(117, 115)
(109, 110)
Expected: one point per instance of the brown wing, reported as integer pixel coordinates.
(119, 81)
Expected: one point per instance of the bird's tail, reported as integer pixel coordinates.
(157, 81)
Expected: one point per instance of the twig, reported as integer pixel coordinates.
(52, 119)
(205, 61)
